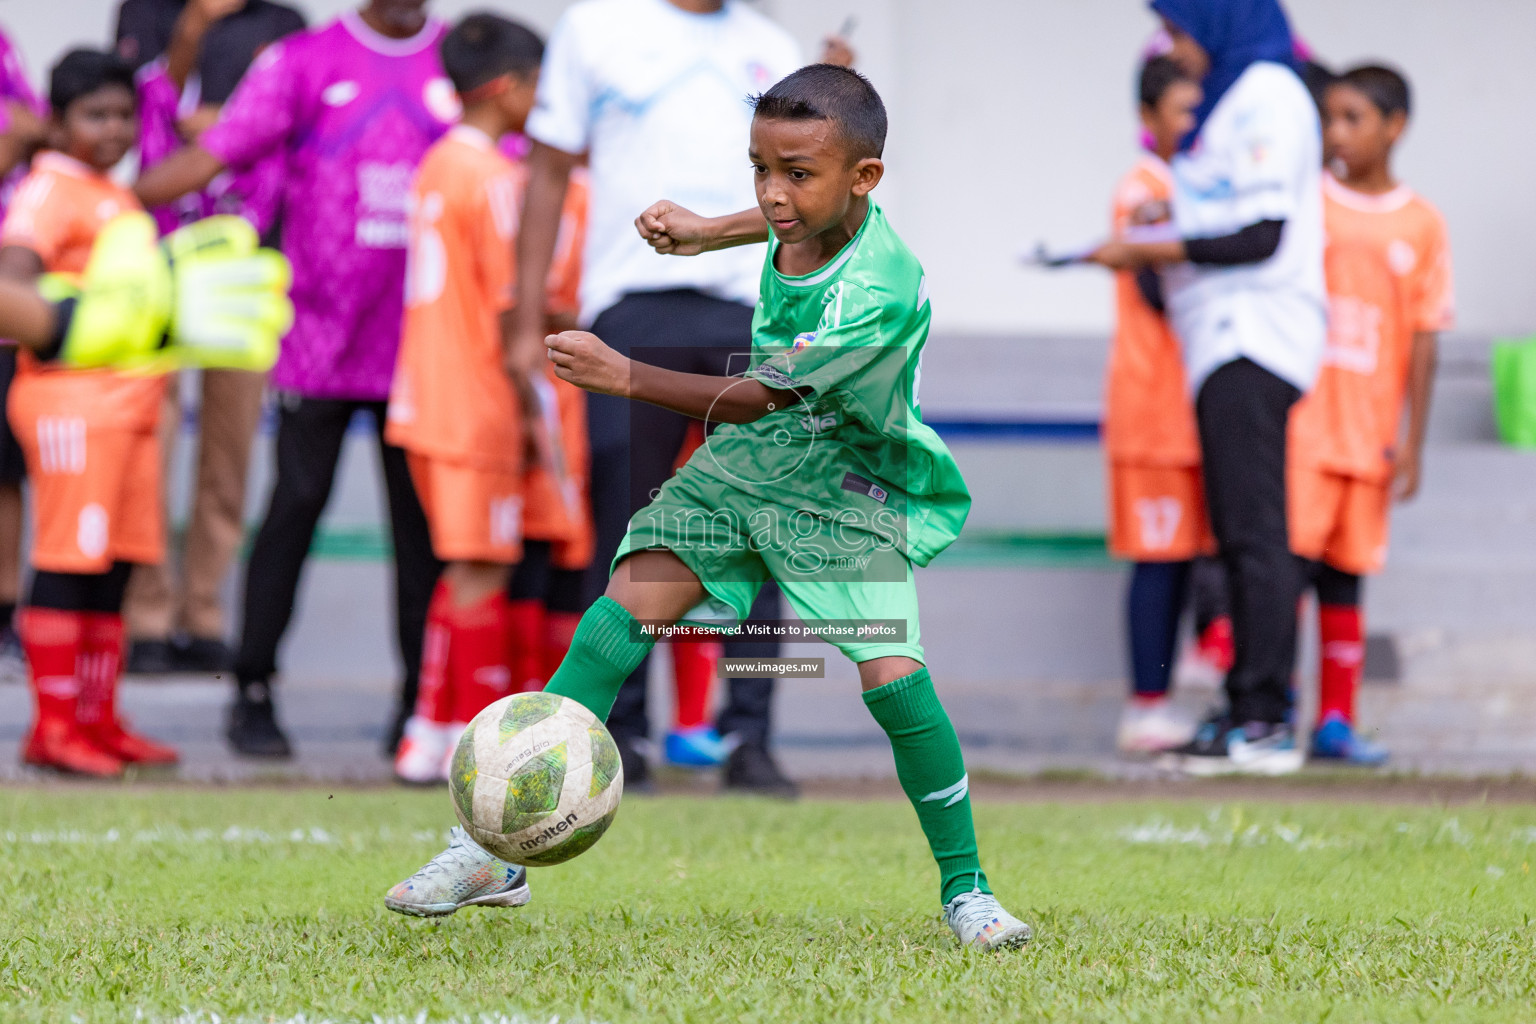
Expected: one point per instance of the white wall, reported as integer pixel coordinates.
(1011, 120)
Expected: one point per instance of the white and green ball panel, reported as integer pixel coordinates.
(536, 779)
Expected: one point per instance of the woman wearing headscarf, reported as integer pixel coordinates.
(1244, 288)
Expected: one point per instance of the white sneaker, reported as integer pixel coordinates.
(461, 876)
(425, 748)
(1195, 671)
(979, 921)
(1153, 727)
(455, 731)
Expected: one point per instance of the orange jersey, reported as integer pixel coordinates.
(1388, 265)
(57, 211)
(1148, 416)
(450, 398)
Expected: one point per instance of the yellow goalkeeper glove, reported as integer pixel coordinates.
(206, 296)
(231, 297)
(116, 312)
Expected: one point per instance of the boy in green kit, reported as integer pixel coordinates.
(821, 476)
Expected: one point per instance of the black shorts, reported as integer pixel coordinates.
(13, 466)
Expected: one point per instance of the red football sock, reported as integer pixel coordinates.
(97, 668)
(559, 631)
(693, 671)
(100, 669)
(477, 656)
(51, 640)
(1340, 629)
(434, 699)
(525, 640)
(1216, 643)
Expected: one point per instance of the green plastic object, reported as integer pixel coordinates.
(1514, 390)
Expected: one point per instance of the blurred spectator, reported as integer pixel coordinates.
(22, 124)
(243, 28)
(89, 438)
(351, 107)
(180, 625)
(1156, 501)
(1244, 284)
(666, 120)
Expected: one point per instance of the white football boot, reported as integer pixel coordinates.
(425, 750)
(1153, 727)
(451, 746)
(979, 921)
(461, 876)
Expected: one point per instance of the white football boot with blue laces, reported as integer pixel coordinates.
(979, 921)
(461, 876)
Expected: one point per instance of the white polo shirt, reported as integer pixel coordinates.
(1257, 157)
(658, 96)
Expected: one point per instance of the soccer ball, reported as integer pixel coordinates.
(536, 779)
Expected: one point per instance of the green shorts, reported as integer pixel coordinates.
(849, 586)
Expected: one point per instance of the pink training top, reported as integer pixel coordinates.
(351, 112)
(255, 194)
(14, 88)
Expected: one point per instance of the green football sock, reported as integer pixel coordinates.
(603, 653)
(932, 774)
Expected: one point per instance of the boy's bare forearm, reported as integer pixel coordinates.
(1421, 385)
(19, 263)
(189, 169)
(703, 396)
(744, 228)
(25, 316)
(549, 175)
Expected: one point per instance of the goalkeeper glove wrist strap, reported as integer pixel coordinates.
(64, 315)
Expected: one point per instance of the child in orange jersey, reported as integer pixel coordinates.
(1357, 439)
(547, 589)
(1156, 501)
(464, 412)
(89, 440)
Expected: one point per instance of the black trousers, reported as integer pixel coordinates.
(634, 447)
(1242, 411)
(310, 432)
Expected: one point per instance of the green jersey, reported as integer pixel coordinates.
(854, 448)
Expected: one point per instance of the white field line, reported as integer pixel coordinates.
(208, 1017)
(1160, 832)
(1163, 833)
(234, 834)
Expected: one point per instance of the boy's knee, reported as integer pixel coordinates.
(878, 672)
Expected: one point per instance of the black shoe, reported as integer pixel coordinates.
(752, 769)
(203, 654)
(637, 774)
(151, 658)
(252, 728)
(1223, 746)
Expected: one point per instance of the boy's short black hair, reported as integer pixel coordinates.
(1157, 75)
(1383, 86)
(829, 92)
(81, 72)
(483, 46)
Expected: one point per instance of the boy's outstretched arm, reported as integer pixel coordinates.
(1421, 385)
(538, 233)
(584, 360)
(675, 231)
(189, 169)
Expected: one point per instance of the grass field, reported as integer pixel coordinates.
(247, 905)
